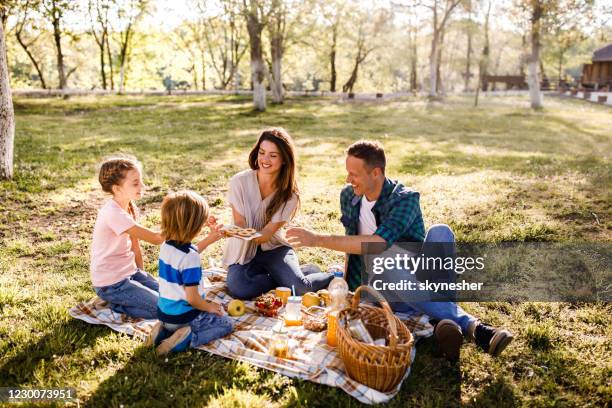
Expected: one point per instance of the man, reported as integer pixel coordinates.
(376, 209)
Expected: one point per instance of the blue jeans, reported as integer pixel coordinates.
(269, 269)
(437, 310)
(135, 296)
(205, 328)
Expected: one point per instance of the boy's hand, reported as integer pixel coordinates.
(215, 308)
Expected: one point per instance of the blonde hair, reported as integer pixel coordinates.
(113, 171)
(183, 214)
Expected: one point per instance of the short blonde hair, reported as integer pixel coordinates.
(183, 214)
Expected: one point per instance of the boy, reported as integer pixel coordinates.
(186, 318)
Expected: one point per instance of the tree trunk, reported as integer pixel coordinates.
(535, 95)
(102, 62)
(413, 63)
(433, 65)
(468, 62)
(348, 86)
(439, 86)
(7, 115)
(57, 36)
(110, 64)
(561, 55)
(332, 59)
(258, 68)
(34, 62)
(203, 55)
(276, 49)
(125, 44)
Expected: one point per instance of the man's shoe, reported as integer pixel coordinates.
(449, 339)
(179, 341)
(490, 339)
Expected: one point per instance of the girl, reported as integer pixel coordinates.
(265, 198)
(116, 259)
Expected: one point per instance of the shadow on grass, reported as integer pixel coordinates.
(196, 378)
(64, 339)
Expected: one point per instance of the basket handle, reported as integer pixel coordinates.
(385, 306)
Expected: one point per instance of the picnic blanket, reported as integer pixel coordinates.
(312, 359)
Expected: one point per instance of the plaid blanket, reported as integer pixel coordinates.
(312, 359)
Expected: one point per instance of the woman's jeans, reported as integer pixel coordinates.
(135, 296)
(437, 310)
(269, 269)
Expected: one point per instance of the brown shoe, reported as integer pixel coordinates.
(449, 339)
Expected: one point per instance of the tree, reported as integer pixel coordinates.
(440, 16)
(99, 17)
(54, 11)
(256, 15)
(23, 11)
(7, 115)
(370, 25)
(331, 14)
(543, 15)
(225, 40)
(277, 28)
(129, 14)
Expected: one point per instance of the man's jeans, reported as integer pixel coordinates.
(205, 328)
(135, 296)
(269, 269)
(436, 310)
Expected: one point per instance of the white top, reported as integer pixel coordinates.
(245, 197)
(367, 221)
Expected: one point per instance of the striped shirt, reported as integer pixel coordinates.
(179, 266)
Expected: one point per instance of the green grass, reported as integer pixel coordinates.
(498, 172)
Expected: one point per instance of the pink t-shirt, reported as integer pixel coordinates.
(112, 258)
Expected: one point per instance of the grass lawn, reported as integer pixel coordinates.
(496, 172)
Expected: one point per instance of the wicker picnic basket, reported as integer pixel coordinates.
(378, 367)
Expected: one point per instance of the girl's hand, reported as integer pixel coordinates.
(215, 308)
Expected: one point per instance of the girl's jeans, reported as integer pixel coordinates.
(135, 296)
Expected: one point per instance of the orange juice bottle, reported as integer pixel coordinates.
(293, 311)
(332, 323)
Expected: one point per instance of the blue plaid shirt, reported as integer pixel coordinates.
(398, 219)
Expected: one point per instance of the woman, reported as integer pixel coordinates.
(265, 198)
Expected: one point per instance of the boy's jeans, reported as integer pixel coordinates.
(205, 328)
(135, 296)
(437, 310)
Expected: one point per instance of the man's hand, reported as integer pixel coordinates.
(301, 237)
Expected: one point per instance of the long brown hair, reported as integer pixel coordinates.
(113, 171)
(286, 182)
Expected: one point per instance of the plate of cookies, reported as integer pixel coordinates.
(238, 232)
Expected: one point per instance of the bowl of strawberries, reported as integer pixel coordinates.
(268, 304)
